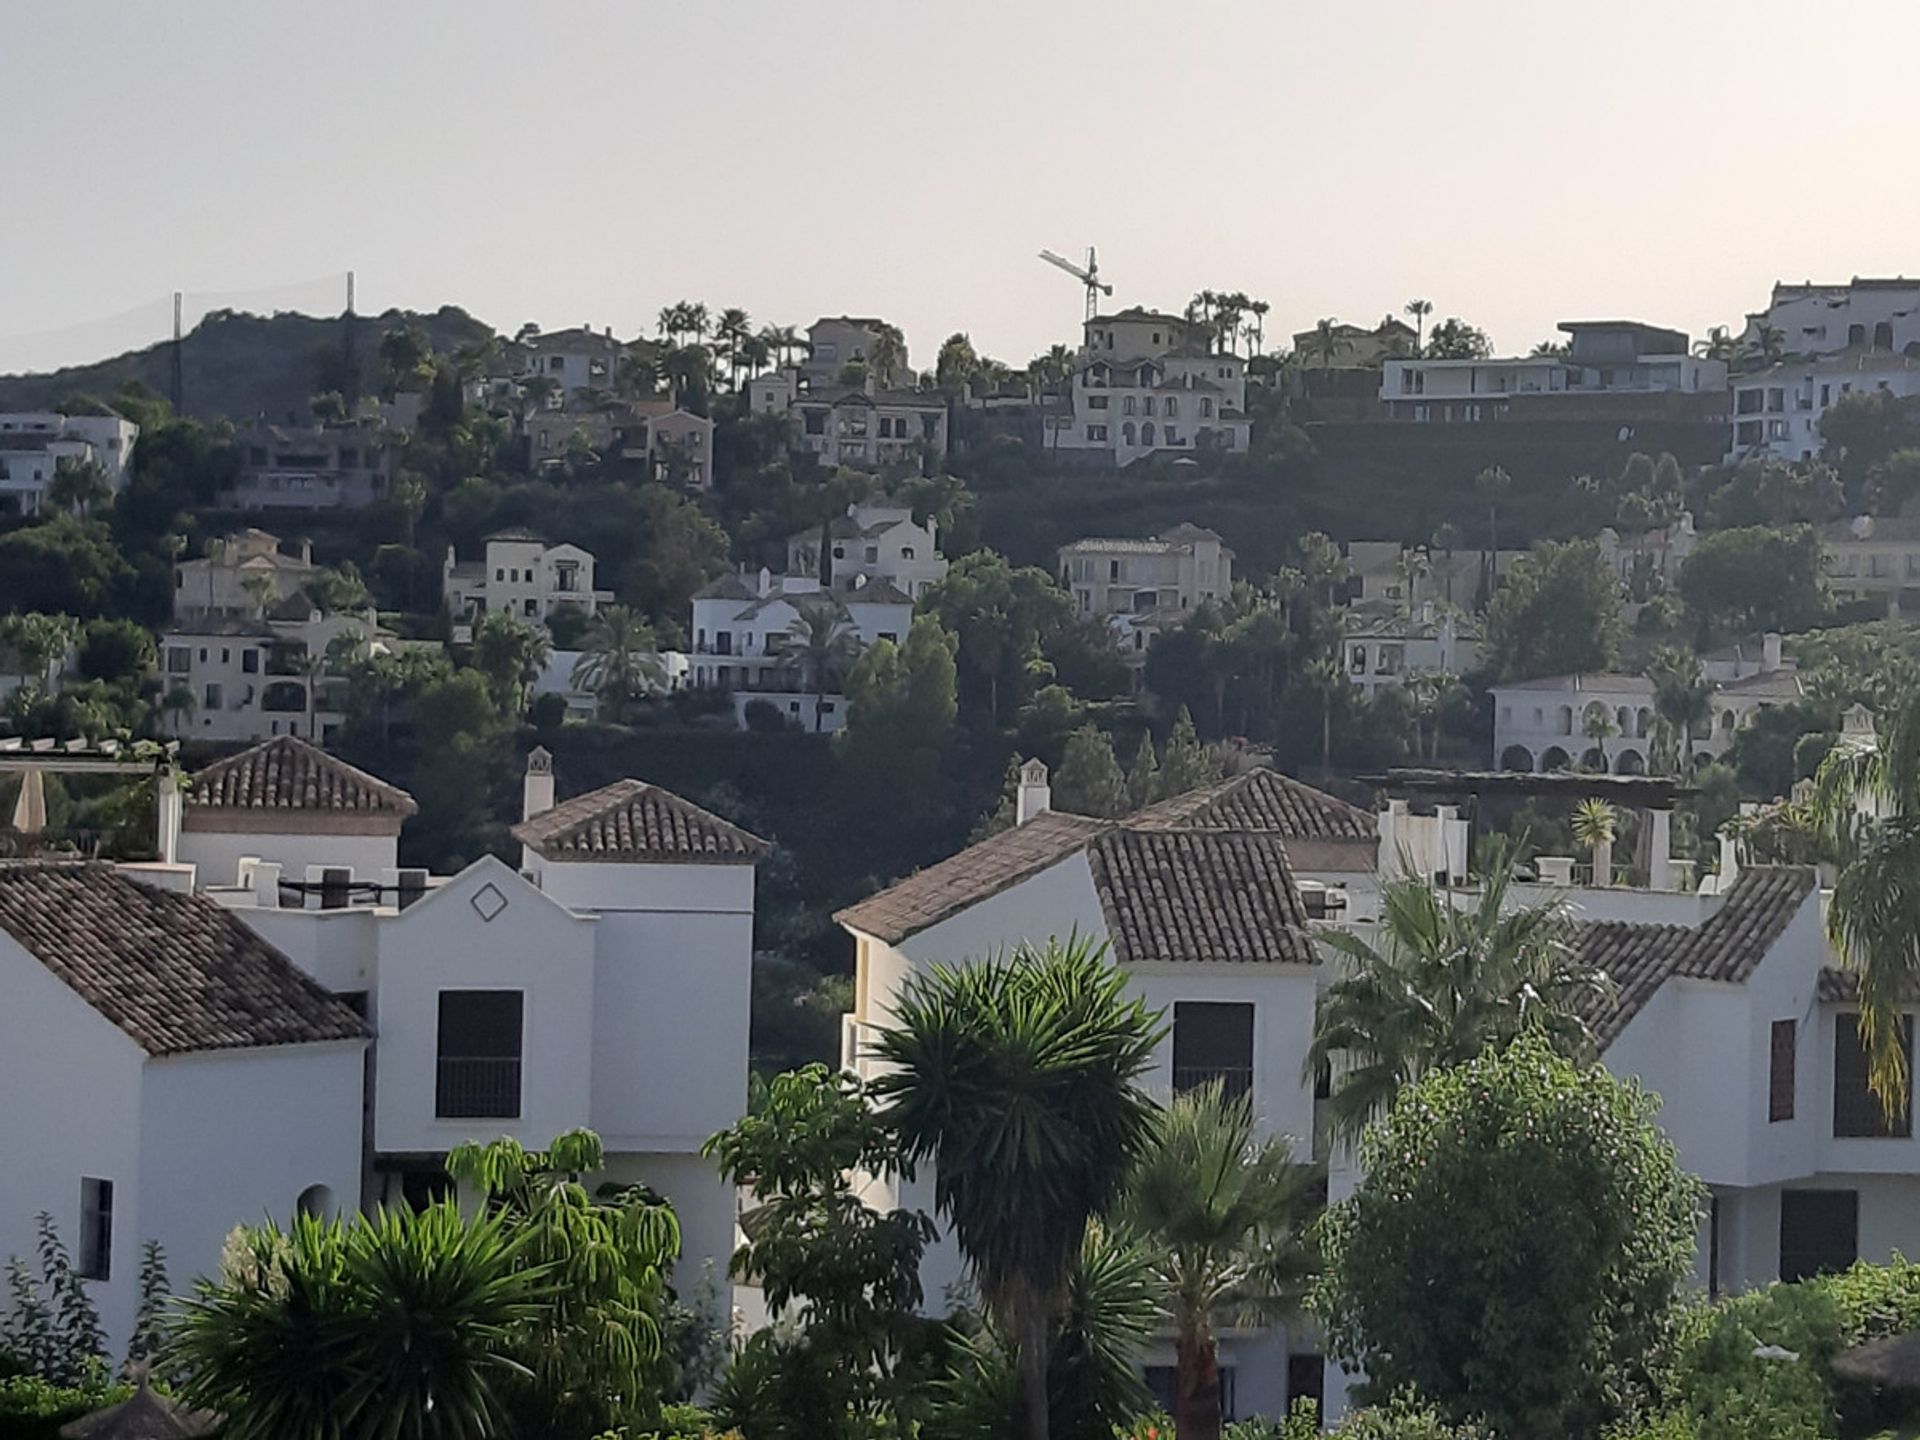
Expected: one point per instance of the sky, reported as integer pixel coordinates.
(1518, 163)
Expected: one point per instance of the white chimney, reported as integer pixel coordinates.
(1035, 796)
(766, 580)
(166, 809)
(266, 884)
(536, 795)
(1770, 652)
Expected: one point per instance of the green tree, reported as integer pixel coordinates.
(1515, 1248)
(900, 710)
(1224, 1217)
(394, 1325)
(1419, 310)
(1090, 780)
(845, 1273)
(1454, 339)
(1003, 616)
(1867, 795)
(1186, 764)
(79, 487)
(116, 651)
(1682, 697)
(1143, 776)
(1443, 982)
(40, 642)
(619, 660)
(822, 648)
(1754, 578)
(956, 366)
(1559, 611)
(511, 654)
(591, 1357)
(1017, 1079)
(62, 566)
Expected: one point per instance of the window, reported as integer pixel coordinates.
(179, 660)
(1306, 1379)
(873, 554)
(906, 552)
(1206, 407)
(533, 607)
(500, 575)
(1213, 1041)
(1819, 1232)
(96, 1230)
(1146, 404)
(1780, 1071)
(1096, 402)
(1173, 405)
(1392, 659)
(1113, 570)
(211, 699)
(1097, 434)
(1127, 405)
(1126, 433)
(1857, 1111)
(1358, 661)
(250, 662)
(479, 1055)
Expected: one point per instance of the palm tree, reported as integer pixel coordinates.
(1324, 342)
(262, 590)
(1682, 696)
(732, 330)
(78, 486)
(888, 356)
(1594, 825)
(783, 340)
(1017, 1079)
(824, 647)
(1766, 343)
(1414, 565)
(1598, 726)
(1419, 310)
(1256, 331)
(511, 655)
(1326, 679)
(619, 658)
(1867, 797)
(1492, 485)
(1444, 983)
(1719, 344)
(178, 705)
(1223, 1216)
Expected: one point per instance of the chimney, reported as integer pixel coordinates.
(1770, 652)
(766, 581)
(1035, 796)
(537, 790)
(167, 812)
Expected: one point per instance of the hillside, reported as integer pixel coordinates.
(238, 366)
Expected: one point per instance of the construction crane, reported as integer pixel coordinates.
(1088, 275)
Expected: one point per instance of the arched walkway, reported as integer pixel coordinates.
(1517, 757)
(1629, 762)
(1555, 759)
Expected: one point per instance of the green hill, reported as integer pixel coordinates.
(240, 367)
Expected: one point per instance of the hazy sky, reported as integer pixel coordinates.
(1517, 162)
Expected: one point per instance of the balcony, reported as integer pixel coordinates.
(1235, 1081)
(477, 1087)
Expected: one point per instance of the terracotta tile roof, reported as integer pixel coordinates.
(632, 821)
(1726, 947)
(288, 773)
(1200, 895)
(1265, 800)
(975, 874)
(177, 973)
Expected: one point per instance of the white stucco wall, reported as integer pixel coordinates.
(443, 943)
(704, 1205)
(72, 1082)
(234, 1137)
(338, 948)
(217, 853)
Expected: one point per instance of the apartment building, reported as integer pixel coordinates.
(750, 636)
(871, 543)
(1388, 650)
(342, 466)
(245, 574)
(522, 576)
(1872, 557)
(1777, 412)
(1149, 384)
(575, 360)
(1824, 319)
(836, 341)
(34, 443)
(252, 679)
(1178, 570)
(1613, 370)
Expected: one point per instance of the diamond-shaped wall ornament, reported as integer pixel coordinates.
(488, 902)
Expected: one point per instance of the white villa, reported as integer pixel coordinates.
(1608, 721)
(745, 640)
(1874, 557)
(255, 679)
(1388, 649)
(33, 443)
(1149, 384)
(194, 1031)
(865, 426)
(869, 543)
(237, 574)
(1726, 1003)
(1777, 411)
(1142, 587)
(521, 576)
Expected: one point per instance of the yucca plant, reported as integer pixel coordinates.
(1594, 825)
(395, 1326)
(1018, 1079)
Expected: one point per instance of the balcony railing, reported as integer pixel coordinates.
(477, 1087)
(1236, 1081)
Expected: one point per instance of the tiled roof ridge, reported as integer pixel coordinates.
(603, 824)
(1199, 895)
(177, 973)
(289, 773)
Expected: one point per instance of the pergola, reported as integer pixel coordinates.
(32, 760)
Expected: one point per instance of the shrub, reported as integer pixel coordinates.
(34, 1409)
(1403, 1417)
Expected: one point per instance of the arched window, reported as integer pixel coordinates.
(1629, 762)
(1555, 759)
(1623, 721)
(1126, 433)
(1883, 335)
(1726, 721)
(315, 1202)
(1517, 757)
(1146, 431)
(1566, 720)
